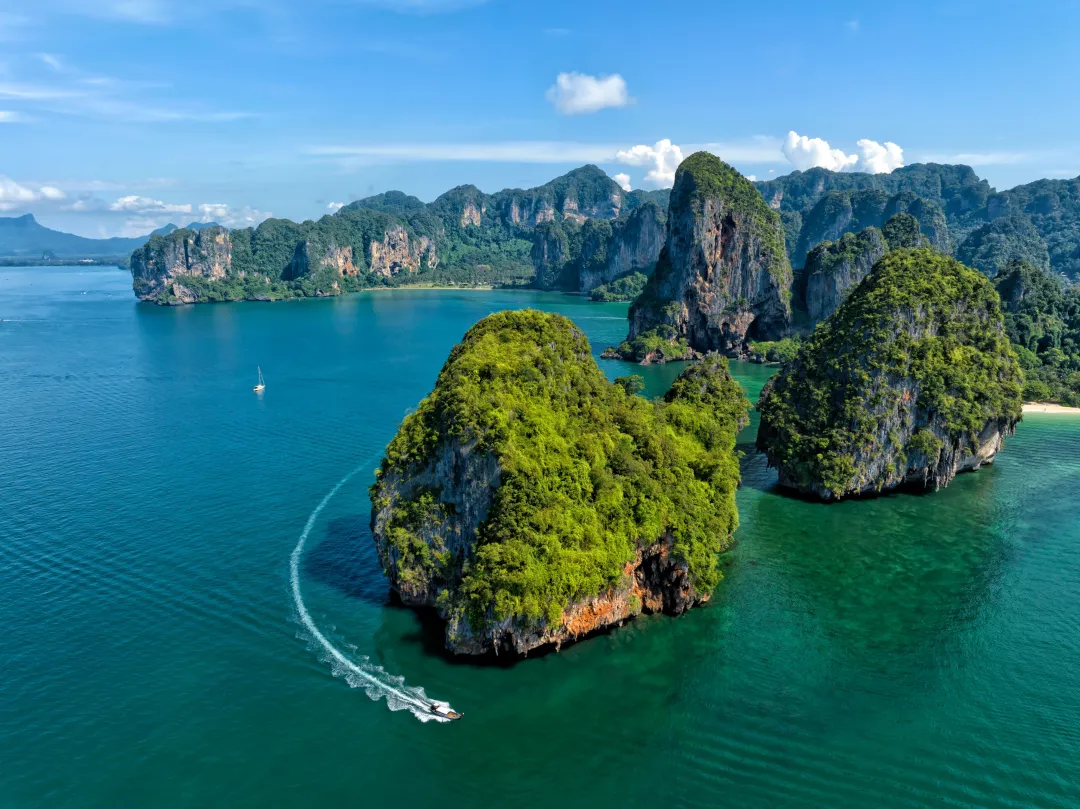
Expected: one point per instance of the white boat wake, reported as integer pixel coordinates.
(375, 680)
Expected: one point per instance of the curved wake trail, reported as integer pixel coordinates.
(375, 680)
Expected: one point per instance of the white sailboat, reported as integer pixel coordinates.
(261, 386)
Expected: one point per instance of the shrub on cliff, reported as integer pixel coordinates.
(911, 379)
(581, 478)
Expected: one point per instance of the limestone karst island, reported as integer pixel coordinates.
(482, 404)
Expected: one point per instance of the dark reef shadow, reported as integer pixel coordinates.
(346, 560)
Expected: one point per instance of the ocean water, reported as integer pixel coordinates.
(903, 651)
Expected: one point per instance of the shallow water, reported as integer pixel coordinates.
(900, 651)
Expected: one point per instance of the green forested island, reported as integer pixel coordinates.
(910, 381)
(531, 501)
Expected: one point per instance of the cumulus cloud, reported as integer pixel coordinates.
(580, 93)
(335, 206)
(878, 158)
(873, 157)
(135, 204)
(664, 158)
(13, 195)
(623, 179)
(807, 153)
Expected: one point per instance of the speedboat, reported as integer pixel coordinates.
(444, 711)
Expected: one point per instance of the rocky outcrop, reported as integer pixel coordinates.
(833, 269)
(723, 277)
(911, 381)
(634, 246)
(471, 213)
(550, 255)
(483, 509)
(164, 262)
(397, 253)
(653, 582)
(339, 260)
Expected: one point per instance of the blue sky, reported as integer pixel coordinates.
(117, 116)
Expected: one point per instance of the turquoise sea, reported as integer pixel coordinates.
(903, 651)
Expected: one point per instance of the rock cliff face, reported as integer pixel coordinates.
(530, 501)
(833, 269)
(396, 253)
(634, 246)
(911, 381)
(166, 261)
(723, 276)
(337, 259)
(550, 255)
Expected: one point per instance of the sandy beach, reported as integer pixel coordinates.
(1049, 407)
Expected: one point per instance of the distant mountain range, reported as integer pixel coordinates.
(25, 237)
(582, 230)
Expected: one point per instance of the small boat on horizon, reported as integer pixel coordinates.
(444, 711)
(260, 385)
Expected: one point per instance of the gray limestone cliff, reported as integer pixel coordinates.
(167, 264)
(634, 246)
(833, 269)
(723, 277)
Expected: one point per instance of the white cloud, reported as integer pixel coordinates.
(213, 210)
(852, 26)
(146, 205)
(664, 158)
(225, 215)
(873, 157)
(87, 202)
(752, 178)
(335, 206)
(12, 117)
(807, 153)
(877, 158)
(52, 61)
(579, 93)
(14, 195)
(623, 179)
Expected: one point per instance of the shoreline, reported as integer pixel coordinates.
(424, 286)
(1050, 407)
